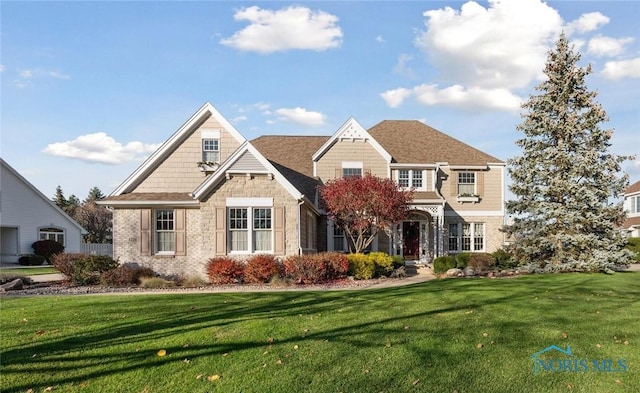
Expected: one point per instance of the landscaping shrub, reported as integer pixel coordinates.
(47, 248)
(462, 260)
(443, 263)
(382, 262)
(336, 265)
(31, 260)
(261, 268)
(504, 259)
(361, 266)
(398, 262)
(126, 275)
(156, 282)
(481, 262)
(192, 282)
(64, 262)
(633, 244)
(8, 277)
(88, 270)
(305, 269)
(224, 270)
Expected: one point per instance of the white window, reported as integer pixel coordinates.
(466, 237)
(466, 183)
(635, 204)
(51, 234)
(165, 232)
(352, 168)
(211, 150)
(411, 178)
(255, 238)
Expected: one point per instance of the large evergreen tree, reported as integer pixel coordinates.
(566, 175)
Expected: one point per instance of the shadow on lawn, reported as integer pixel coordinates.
(376, 314)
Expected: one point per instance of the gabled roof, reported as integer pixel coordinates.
(413, 142)
(172, 143)
(244, 151)
(632, 189)
(291, 155)
(6, 167)
(352, 130)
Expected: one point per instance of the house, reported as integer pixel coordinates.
(27, 215)
(209, 192)
(632, 207)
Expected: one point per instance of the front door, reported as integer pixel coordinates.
(411, 240)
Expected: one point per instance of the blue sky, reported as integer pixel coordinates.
(89, 89)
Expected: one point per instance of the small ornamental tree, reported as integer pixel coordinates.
(566, 176)
(364, 206)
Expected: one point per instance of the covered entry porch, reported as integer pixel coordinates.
(418, 239)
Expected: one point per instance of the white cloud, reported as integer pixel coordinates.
(100, 148)
(26, 74)
(622, 69)
(239, 119)
(402, 67)
(607, 46)
(301, 116)
(58, 75)
(586, 23)
(502, 46)
(472, 98)
(395, 98)
(380, 39)
(294, 27)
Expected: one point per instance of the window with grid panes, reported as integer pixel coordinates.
(466, 183)
(165, 231)
(211, 150)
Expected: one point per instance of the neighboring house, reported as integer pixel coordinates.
(632, 207)
(209, 192)
(27, 215)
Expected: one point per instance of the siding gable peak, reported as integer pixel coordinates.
(351, 130)
(171, 144)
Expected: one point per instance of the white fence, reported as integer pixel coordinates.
(97, 249)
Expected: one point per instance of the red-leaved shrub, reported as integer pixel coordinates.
(64, 262)
(224, 270)
(481, 262)
(304, 269)
(261, 268)
(47, 248)
(336, 265)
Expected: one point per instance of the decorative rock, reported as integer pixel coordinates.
(469, 272)
(453, 273)
(14, 285)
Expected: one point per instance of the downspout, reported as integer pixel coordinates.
(298, 223)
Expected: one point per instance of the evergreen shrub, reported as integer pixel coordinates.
(443, 263)
(31, 260)
(47, 248)
(462, 259)
(89, 270)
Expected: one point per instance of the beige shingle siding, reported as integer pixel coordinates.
(347, 150)
(491, 194)
(179, 171)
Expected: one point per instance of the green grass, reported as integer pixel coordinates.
(29, 271)
(419, 338)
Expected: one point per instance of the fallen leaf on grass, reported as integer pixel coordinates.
(416, 382)
(24, 320)
(565, 335)
(279, 361)
(619, 382)
(40, 332)
(162, 352)
(485, 334)
(480, 345)
(598, 346)
(214, 377)
(186, 361)
(48, 388)
(295, 347)
(626, 343)
(199, 376)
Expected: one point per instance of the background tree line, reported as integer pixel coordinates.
(96, 219)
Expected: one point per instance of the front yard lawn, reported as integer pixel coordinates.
(464, 335)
